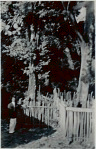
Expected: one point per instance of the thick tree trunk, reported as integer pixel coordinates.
(86, 55)
(83, 86)
(32, 78)
(32, 85)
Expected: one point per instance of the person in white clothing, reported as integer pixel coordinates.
(13, 115)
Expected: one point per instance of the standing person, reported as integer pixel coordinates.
(20, 113)
(12, 114)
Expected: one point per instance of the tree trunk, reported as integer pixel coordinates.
(32, 78)
(86, 55)
(83, 86)
(32, 85)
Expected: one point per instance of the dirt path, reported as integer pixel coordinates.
(38, 138)
(56, 140)
(22, 136)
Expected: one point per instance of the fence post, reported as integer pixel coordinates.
(55, 98)
(70, 117)
(58, 92)
(48, 114)
(93, 120)
(62, 116)
(30, 109)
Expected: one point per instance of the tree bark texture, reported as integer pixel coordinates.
(32, 85)
(86, 56)
(84, 78)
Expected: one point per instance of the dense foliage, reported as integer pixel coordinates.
(47, 36)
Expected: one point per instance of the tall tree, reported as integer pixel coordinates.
(23, 32)
(87, 46)
(75, 17)
(42, 33)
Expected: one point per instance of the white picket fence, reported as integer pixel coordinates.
(75, 122)
(41, 110)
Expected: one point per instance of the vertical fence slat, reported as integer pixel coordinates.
(43, 113)
(78, 126)
(93, 125)
(51, 107)
(35, 110)
(39, 114)
(88, 102)
(90, 122)
(64, 121)
(48, 115)
(62, 117)
(84, 125)
(67, 124)
(75, 125)
(81, 132)
(52, 113)
(32, 109)
(70, 117)
(87, 125)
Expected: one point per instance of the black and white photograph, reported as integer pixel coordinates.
(48, 74)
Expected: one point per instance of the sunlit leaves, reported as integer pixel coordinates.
(53, 20)
(45, 75)
(4, 6)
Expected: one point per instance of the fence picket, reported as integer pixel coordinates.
(51, 114)
(70, 123)
(87, 125)
(90, 123)
(81, 124)
(64, 111)
(58, 92)
(84, 125)
(88, 105)
(67, 123)
(30, 109)
(48, 115)
(39, 113)
(75, 125)
(43, 113)
(38, 109)
(35, 110)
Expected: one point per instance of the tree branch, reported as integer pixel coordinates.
(63, 5)
(68, 5)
